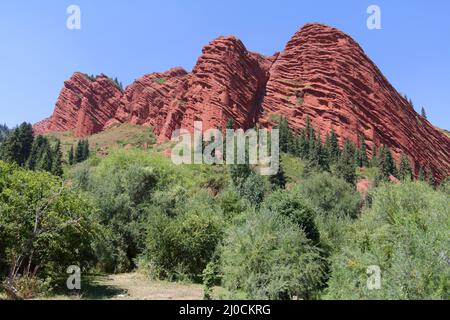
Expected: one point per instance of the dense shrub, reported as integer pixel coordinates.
(405, 233)
(269, 257)
(294, 206)
(180, 247)
(122, 195)
(331, 195)
(44, 226)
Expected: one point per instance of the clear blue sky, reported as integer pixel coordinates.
(127, 39)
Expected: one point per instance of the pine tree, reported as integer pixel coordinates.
(283, 126)
(57, 160)
(346, 167)
(45, 157)
(363, 159)
(17, 146)
(71, 156)
(36, 152)
(79, 152)
(386, 164)
(303, 145)
(421, 174)
(26, 139)
(423, 113)
(430, 178)
(374, 160)
(278, 180)
(334, 147)
(405, 171)
(86, 151)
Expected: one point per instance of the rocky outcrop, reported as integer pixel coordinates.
(227, 82)
(322, 74)
(154, 99)
(84, 106)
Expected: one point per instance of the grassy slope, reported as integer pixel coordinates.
(117, 136)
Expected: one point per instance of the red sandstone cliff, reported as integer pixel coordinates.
(322, 73)
(84, 106)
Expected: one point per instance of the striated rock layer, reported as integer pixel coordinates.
(84, 106)
(322, 74)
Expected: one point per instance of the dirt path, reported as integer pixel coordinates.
(135, 286)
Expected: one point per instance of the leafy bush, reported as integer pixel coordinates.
(294, 206)
(122, 195)
(44, 226)
(331, 195)
(269, 257)
(183, 245)
(405, 233)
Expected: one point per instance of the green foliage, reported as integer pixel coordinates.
(423, 113)
(231, 204)
(278, 180)
(17, 146)
(292, 205)
(346, 167)
(405, 171)
(374, 161)
(82, 151)
(121, 194)
(445, 186)
(268, 257)
(44, 226)
(4, 132)
(183, 245)
(71, 156)
(386, 164)
(330, 195)
(405, 233)
(362, 159)
(254, 189)
(161, 80)
(333, 148)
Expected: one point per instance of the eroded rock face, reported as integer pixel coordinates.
(227, 82)
(322, 74)
(84, 106)
(325, 75)
(154, 100)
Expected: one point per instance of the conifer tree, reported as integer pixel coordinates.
(421, 174)
(17, 146)
(430, 178)
(386, 164)
(45, 157)
(71, 156)
(374, 159)
(36, 152)
(278, 180)
(334, 147)
(405, 171)
(86, 151)
(363, 159)
(79, 152)
(57, 160)
(346, 167)
(423, 113)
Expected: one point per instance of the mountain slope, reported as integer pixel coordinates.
(322, 74)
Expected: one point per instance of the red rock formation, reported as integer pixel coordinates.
(322, 73)
(84, 106)
(227, 82)
(152, 99)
